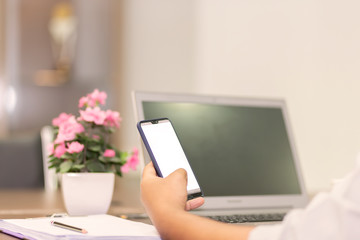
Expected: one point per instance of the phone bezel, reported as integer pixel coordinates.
(191, 195)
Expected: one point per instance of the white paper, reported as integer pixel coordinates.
(97, 226)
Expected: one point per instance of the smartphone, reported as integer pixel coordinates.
(166, 152)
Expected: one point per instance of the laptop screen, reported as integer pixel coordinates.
(234, 150)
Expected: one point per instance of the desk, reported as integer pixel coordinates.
(38, 203)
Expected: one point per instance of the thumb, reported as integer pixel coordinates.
(149, 170)
(179, 175)
(194, 203)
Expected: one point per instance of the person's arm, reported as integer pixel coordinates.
(165, 200)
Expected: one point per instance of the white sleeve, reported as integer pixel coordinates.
(329, 216)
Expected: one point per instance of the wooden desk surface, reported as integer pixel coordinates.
(38, 203)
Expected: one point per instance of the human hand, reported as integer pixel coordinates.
(166, 195)
(165, 200)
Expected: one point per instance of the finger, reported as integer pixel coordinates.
(179, 173)
(194, 203)
(149, 170)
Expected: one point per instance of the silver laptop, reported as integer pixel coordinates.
(242, 150)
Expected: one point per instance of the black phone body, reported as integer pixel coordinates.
(166, 152)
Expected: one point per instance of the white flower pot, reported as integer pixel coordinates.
(87, 193)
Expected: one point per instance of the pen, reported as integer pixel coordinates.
(134, 216)
(65, 226)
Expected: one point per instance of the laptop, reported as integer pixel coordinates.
(241, 150)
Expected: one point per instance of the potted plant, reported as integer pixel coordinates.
(82, 154)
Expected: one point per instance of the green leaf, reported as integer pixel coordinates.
(118, 170)
(124, 156)
(97, 141)
(103, 159)
(77, 167)
(79, 158)
(53, 159)
(65, 166)
(53, 165)
(108, 168)
(66, 156)
(82, 138)
(95, 166)
(92, 155)
(95, 148)
(111, 129)
(115, 160)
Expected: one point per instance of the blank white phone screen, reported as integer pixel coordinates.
(168, 152)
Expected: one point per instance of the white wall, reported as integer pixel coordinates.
(307, 52)
(156, 54)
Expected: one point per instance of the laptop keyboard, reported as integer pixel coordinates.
(249, 218)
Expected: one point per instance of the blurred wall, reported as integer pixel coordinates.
(307, 52)
(30, 55)
(3, 122)
(156, 53)
(31, 94)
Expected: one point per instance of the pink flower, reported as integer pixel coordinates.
(68, 130)
(83, 101)
(75, 147)
(132, 162)
(92, 125)
(97, 97)
(63, 117)
(93, 115)
(112, 119)
(97, 137)
(60, 150)
(109, 153)
(125, 168)
(93, 99)
(50, 148)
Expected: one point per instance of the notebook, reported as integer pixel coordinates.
(101, 226)
(242, 150)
